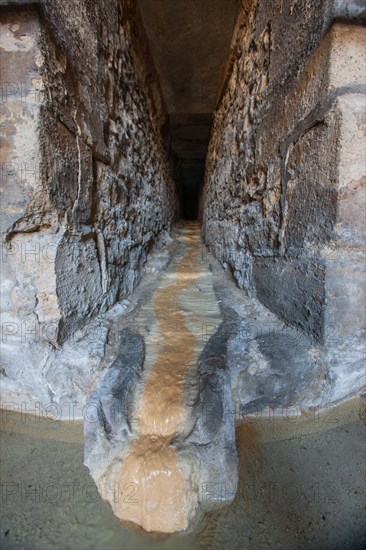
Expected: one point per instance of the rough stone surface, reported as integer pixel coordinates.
(108, 428)
(274, 368)
(88, 197)
(87, 188)
(280, 173)
(213, 437)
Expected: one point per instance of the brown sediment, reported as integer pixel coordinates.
(164, 499)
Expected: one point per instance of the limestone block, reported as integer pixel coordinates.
(350, 222)
(345, 294)
(21, 98)
(294, 289)
(311, 193)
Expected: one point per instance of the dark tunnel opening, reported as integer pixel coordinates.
(189, 184)
(189, 203)
(190, 135)
(190, 53)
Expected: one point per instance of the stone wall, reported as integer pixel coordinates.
(277, 204)
(87, 188)
(285, 173)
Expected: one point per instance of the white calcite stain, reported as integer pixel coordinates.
(11, 43)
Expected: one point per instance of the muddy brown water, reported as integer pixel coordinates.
(302, 477)
(166, 498)
(302, 485)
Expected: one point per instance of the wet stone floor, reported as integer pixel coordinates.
(301, 478)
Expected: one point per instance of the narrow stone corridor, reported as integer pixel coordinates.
(182, 255)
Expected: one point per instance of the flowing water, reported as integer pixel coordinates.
(301, 479)
(166, 496)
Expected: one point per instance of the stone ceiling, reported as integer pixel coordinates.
(189, 41)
